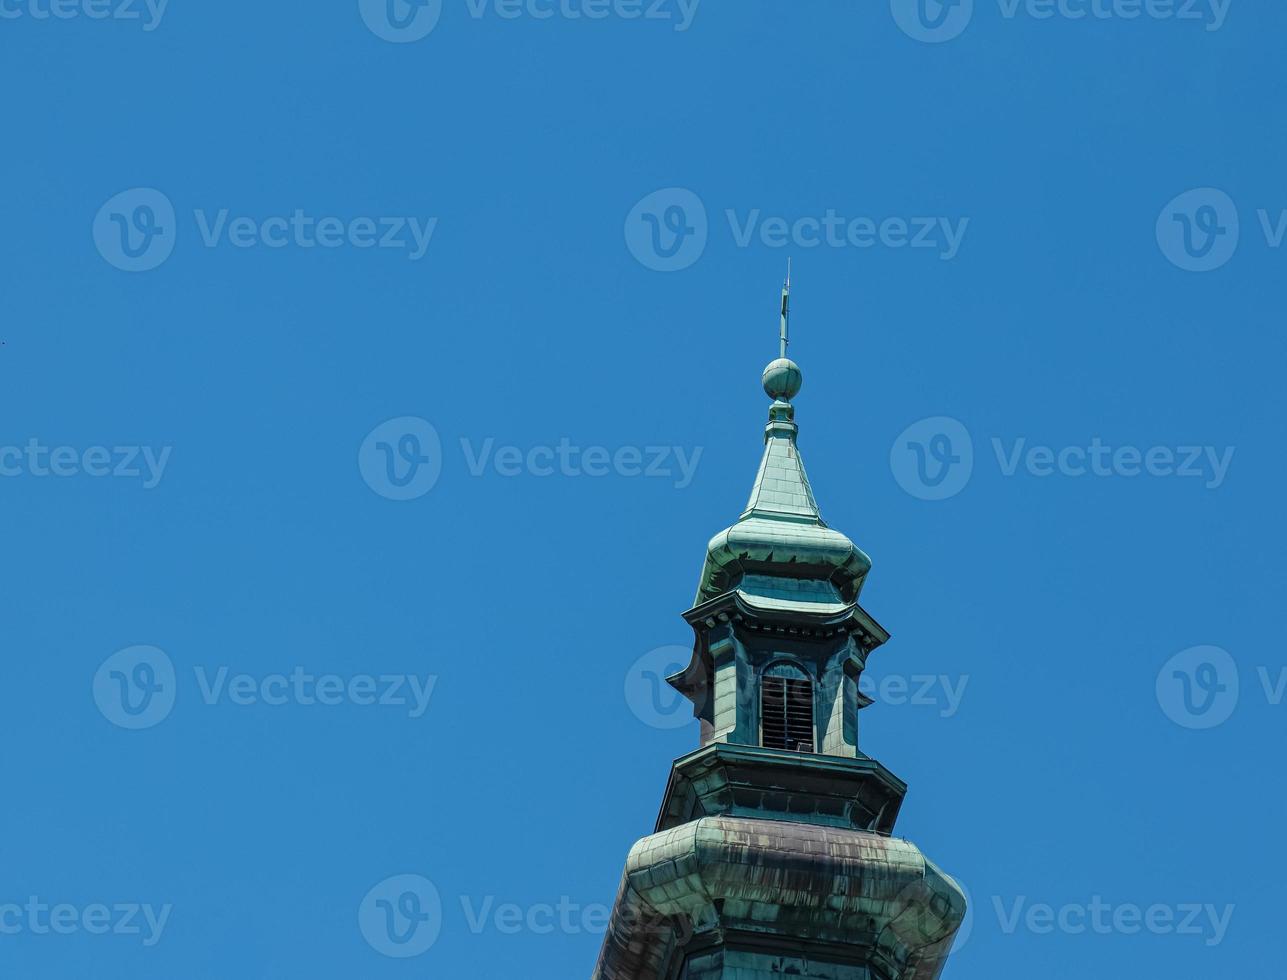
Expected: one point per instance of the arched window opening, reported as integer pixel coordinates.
(786, 709)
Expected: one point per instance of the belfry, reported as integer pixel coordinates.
(773, 854)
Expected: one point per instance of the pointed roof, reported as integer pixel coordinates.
(781, 487)
(780, 555)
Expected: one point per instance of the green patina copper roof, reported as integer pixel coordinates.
(772, 855)
(781, 487)
(780, 551)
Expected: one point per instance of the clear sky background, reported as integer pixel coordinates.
(1071, 771)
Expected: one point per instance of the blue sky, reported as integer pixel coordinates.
(371, 386)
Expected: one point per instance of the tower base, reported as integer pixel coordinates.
(739, 898)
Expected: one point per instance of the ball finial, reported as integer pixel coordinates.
(782, 379)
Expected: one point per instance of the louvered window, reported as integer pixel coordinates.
(786, 710)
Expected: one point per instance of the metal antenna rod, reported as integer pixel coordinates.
(786, 311)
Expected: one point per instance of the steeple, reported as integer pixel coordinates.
(781, 541)
(781, 488)
(773, 851)
(780, 571)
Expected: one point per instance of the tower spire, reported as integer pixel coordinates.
(773, 853)
(786, 313)
(782, 378)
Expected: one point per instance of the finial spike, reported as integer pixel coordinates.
(785, 336)
(782, 377)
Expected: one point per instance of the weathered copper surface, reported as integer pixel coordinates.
(768, 861)
(853, 897)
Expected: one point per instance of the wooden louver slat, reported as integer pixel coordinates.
(787, 713)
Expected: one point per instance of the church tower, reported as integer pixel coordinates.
(773, 854)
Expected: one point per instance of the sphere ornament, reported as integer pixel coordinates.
(782, 379)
